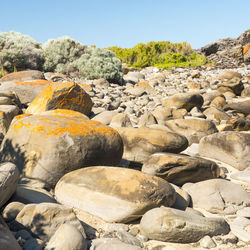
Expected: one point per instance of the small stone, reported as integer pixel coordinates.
(207, 242)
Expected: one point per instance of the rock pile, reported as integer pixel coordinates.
(160, 162)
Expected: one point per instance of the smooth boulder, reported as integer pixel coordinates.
(230, 147)
(49, 145)
(218, 196)
(180, 169)
(140, 143)
(172, 225)
(112, 193)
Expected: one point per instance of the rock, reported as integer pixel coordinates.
(7, 240)
(45, 218)
(140, 143)
(229, 75)
(101, 83)
(128, 238)
(230, 147)
(105, 117)
(11, 210)
(49, 145)
(63, 95)
(240, 124)
(7, 113)
(9, 98)
(67, 237)
(113, 194)
(216, 114)
(218, 102)
(218, 196)
(27, 194)
(182, 200)
(111, 244)
(25, 75)
(240, 227)
(184, 100)
(239, 107)
(172, 225)
(133, 77)
(147, 119)
(235, 85)
(179, 169)
(246, 53)
(244, 212)
(246, 92)
(162, 114)
(136, 91)
(26, 90)
(242, 175)
(33, 244)
(193, 128)
(9, 176)
(120, 120)
(207, 242)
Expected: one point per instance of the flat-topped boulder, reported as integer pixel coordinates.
(140, 143)
(62, 95)
(230, 147)
(179, 169)
(49, 145)
(112, 193)
(24, 75)
(172, 225)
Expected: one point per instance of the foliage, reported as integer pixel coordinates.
(18, 51)
(162, 54)
(99, 63)
(59, 53)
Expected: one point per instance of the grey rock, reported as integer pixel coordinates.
(239, 228)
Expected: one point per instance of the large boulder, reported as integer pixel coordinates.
(49, 145)
(27, 91)
(25, 75)
(62, 95)
(9, 176)
(45, 218)
(179, 169)
(193, 128)
(230, 147)
(172, 225)
(113, 194)
(140, 143)
(184, 100)
(239, 107)
(218, 196)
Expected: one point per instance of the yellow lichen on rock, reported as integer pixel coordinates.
(61, 95)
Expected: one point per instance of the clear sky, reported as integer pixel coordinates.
(128, 22)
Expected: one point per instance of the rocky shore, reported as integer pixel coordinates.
(159, 162)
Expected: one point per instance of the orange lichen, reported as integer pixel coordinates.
(64, 112)
(86, 86)
(23, 75)
(33, 82)
(246, 49)
(60, 125)
(145, 84)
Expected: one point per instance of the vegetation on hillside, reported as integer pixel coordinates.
(163, 55)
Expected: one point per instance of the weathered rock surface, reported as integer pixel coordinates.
(67, 237)
(193, 129)
(240, 228)
(49, 145)
(232, 148)
(140, 143)
(180, 169)
(113, 194)
(184, 100)
(12, 210)
(218, 196)
(172, 225)
(44, 219)
(25, 75)
(240, 107)
(242, 175)
(62, 95)
(9, 176)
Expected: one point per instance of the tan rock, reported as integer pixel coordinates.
(113, 194)
(23, 76)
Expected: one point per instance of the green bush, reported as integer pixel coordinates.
(60, 53)
(19, 51)
(98, 63)
(163, 55)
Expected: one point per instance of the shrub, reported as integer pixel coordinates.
(99, 63)
(59, 53)
(19, 51)
(163, 55)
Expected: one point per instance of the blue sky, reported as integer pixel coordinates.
(126, 23)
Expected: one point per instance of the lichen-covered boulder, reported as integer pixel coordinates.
(112, 193)
(49, 145)
(24, 75)
(140, 143)
(61, 95)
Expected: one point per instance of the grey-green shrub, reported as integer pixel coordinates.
(18, 51)
(99, 63)
(59, 53)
